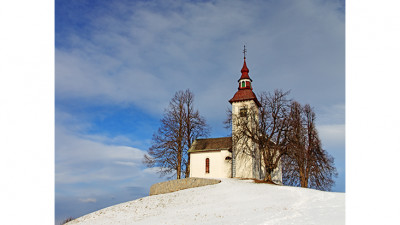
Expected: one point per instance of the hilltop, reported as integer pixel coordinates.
(232, 201)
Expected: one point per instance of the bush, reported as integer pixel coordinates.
(67, 220)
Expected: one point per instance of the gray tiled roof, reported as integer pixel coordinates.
(211, 144)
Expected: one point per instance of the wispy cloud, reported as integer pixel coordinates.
(333, 135)
(146, 54)
(80, 160)
(88, 200)
(125, 163)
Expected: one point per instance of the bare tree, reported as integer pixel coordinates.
(265, 126)
(296, 136)
(180, 125)
(195, 126)
(306, 164)
(284, 131)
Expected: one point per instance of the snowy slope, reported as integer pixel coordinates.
(230, 202)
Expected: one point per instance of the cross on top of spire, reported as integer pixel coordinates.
(245, 70)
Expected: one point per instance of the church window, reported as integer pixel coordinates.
(243, 84)
(243, 112)
(207, 165)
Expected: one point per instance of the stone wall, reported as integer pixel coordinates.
(176, 185)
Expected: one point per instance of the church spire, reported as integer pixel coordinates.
(244, 80)
(245, 88)
(245, 70)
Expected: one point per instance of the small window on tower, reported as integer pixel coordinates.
(243, 112)
(207, 165)
(243, 84)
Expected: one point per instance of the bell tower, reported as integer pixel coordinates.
(245, 89)
(244, 165)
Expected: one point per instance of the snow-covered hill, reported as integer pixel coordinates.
(230, 202)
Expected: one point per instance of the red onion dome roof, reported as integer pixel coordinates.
(245, 71)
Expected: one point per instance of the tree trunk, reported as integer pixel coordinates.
(268, 177)
(302, 180)
(188, 167)
(179, 165)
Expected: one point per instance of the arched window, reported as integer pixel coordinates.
(243, 84)
(243, 112)
(248, 84)
(207, 165)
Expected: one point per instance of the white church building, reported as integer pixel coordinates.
(219, 157)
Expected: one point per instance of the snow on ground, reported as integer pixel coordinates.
(232, 201)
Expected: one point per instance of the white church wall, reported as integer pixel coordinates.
(219, 166)
(277, 174)
(243, 162)
(244, 166)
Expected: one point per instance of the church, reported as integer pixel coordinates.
(221, 157)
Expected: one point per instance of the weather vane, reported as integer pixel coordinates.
(244, 51)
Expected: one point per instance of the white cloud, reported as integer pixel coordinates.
(88, 200)
(332, 136)
(146, 55)
(75, 149)
(84, 166)
(125, 163)
(333, 140)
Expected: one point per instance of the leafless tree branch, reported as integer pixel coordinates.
(180, 126)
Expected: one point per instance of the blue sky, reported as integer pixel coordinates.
(118, 64)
